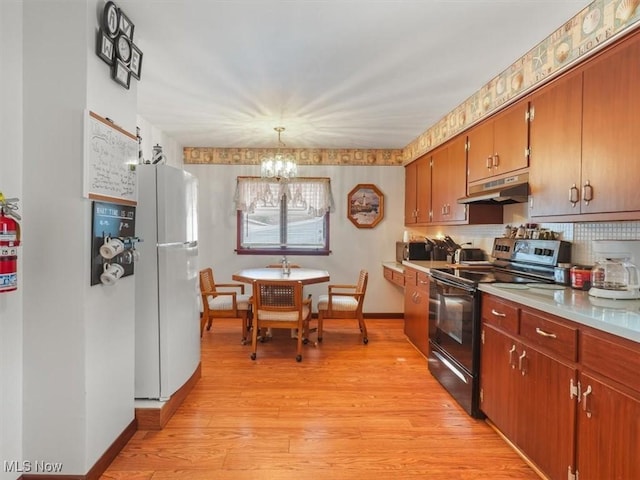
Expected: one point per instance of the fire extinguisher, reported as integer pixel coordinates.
(9, 242)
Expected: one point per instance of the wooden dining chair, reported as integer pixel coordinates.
(279, 304)
(344, 301)
(225, 303)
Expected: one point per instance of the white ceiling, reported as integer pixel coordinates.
(334, 73)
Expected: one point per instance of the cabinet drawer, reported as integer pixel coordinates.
(614, 358)
(388, 274)
(394, 276)
(422, 282)
(500, 313)
(410, 277)
(541, 331)
(398, 278)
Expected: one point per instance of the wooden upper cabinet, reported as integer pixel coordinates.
(511, 139)
(410, 199)
(555, 139)
(435, 182)
(480, 151)
(449, 181)
(423, 191)
(500, 144)
(417, 206)
(611, 116)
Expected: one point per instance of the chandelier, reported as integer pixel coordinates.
(280, 165)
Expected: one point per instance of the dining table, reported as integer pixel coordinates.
(307, 276)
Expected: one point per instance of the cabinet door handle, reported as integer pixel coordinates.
(511, 352)
(587, 192)
(541, 332)
(497, 314)
(489, 162)
(496, 160)
(521, 360)
(574, 195)
(586, 393)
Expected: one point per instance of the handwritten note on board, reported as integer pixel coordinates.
(110, 159)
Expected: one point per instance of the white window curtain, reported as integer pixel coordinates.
(314, 194)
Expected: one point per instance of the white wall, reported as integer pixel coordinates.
(352, 248)
(78, 339)
(11, 186)
(153, 136)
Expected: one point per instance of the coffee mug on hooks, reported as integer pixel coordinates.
(111, 247)
(111, 273)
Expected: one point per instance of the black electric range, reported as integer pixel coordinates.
(514, 261)
(454, 308)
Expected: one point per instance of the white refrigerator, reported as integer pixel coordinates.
(167, 329)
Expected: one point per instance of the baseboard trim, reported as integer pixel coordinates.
(384, 315)
(101, 465)
(375, 315)
(157, 418)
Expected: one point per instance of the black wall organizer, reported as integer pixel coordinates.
(111, 220)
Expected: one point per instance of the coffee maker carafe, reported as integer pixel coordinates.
(615, 275)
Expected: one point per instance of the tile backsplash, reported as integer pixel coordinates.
(581, 235)
(585, 233)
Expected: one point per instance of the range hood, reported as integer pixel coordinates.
(500, 192)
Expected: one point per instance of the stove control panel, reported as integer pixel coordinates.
(539, 252)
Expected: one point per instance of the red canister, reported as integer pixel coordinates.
(581, 277)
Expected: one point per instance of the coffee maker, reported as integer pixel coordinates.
(615, 274)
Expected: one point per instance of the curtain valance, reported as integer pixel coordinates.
(311, 193)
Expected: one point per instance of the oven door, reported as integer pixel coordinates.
(453, 321)
(454, 341)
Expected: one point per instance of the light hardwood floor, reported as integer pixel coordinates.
(346, 412)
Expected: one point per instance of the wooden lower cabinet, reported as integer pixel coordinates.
(498, 380)
(608, 431)
(416, 309)
(546, 431)
(524, 392)
(609, 410)
(566, 395)
(394, 276)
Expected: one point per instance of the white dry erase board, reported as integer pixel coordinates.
(110, 159)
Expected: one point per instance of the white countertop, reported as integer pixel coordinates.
(421, 265)
(619, 317)
(426, 265)
(394, 266)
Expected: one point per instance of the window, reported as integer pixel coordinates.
(289, 217)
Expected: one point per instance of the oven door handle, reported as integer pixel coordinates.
(440, 283)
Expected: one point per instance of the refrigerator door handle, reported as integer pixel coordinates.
(179, 244)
